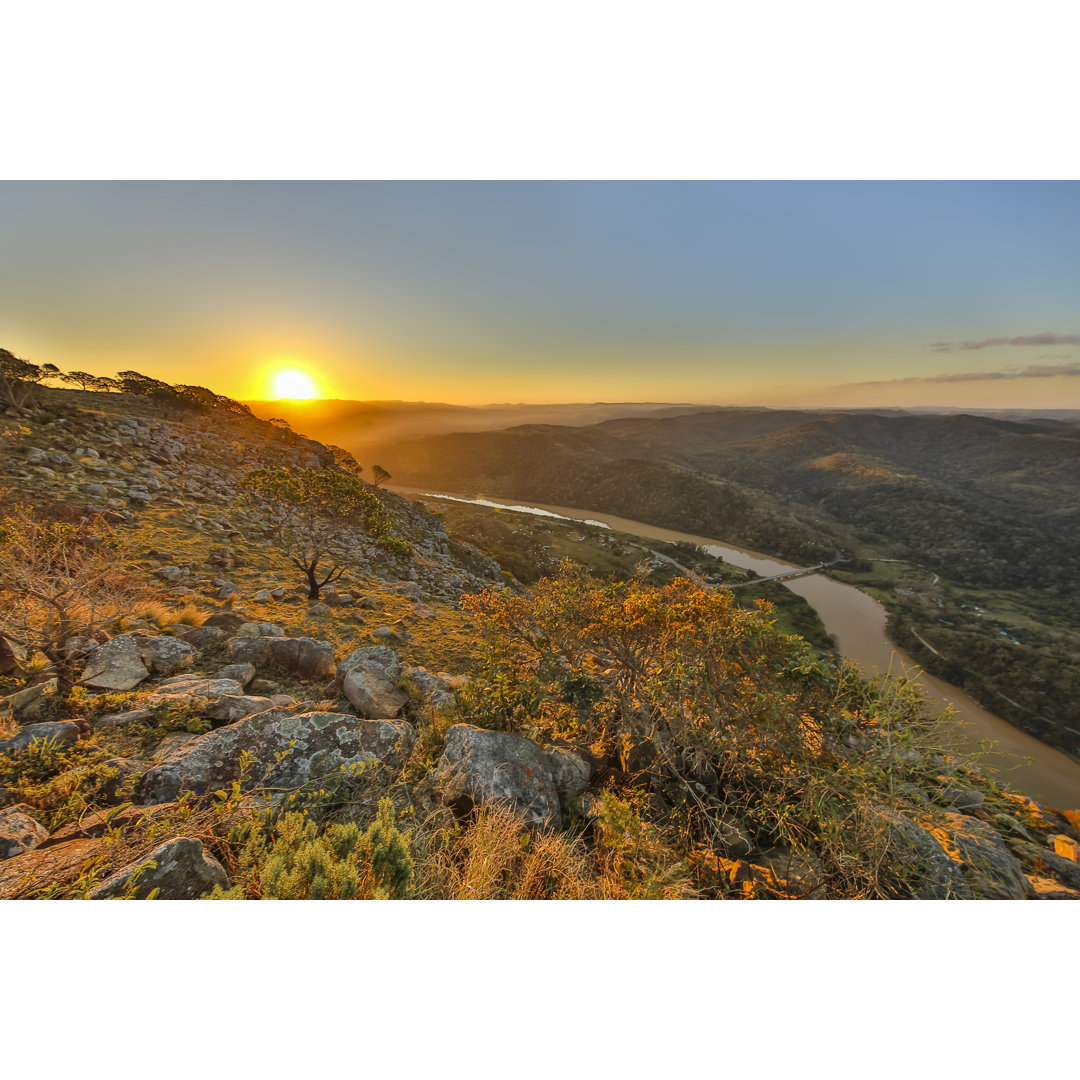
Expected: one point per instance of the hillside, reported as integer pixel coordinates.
(195, 723)
(984, 512)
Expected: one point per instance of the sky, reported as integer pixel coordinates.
(847, 293)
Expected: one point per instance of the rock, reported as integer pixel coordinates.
(166, 655)
(264, 687)
(19, 832)
(793, 875)
(250, 651)
(1049, 889)
(242, 673)
(64, 731)
(96, 823)
(262, 596)
(380, 657)
(1045, 861)
(962, 798)
(277, 594)
(261, 629)
(286, 751)
(98, 491)
(989, 867)
(45, 865)
(196, 690)
(28, 701)
(204, 637)
(170, 744)
(116, 665)
(307, 658)
(479, 766)
(409, 589)
(230, 707)
(367, 678)
(169, 573)
(936, 875)
(386, 633)
(121, 787)
(319, 609)
(229, 621)
(120, 719)
(227, 590)
(1066, 847)
(179, 869)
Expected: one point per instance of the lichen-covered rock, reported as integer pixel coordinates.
(479, 766)
(45, 865)
(166, 655)
(305, 657)
(372, 694)
(19, 832)
(250, 650)
(64, 731)
(204, 637)
(116, 665)
(989, 867)
(178, 869)
(380, 657)
(312, 745)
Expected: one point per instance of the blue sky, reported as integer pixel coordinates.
(772, 292)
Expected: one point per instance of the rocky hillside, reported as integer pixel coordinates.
(204, 728)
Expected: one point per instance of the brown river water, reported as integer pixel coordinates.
(856, 622)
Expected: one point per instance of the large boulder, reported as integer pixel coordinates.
(285, 750)
(116, 665)
(304, 657)
(179, 869)
(479, 766)
(232, 707)
(991, 870)
(166, 655)
(368, 679)
(19, 832)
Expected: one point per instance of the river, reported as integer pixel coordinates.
(856, 622)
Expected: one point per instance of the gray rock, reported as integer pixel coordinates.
(286, 751)
(166, 655)
(204, 637)
(319, 609)
(197, 690)
(98, 491)
(227, 590)
(231, 707)
(305, 657)
(169, 573)
(262, 596)
(989, 867)
(252, 651)
(372, 694)
(936, 876)
(116, 665)
(381, 657)
(19, 832)
(229, 621)
(64, 731)
(26, 702)
(179, 869)
(1045, 861)
(963, 798)
(242, 673)
(120, 719)
(479, 766)
(261, 629)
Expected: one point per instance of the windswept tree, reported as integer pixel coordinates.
(18, 378)
(314, 514)
(59, 581)
(379, 475)
(344, 460)
(82, 379)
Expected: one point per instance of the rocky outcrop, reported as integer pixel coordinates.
(479, 766)
(19, 832)
(64, 732)
(989, 867)
(935, 874)
(166, 655)
(286, 750)
(192, 690)
(178, 870)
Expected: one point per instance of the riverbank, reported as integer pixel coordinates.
(857, 624)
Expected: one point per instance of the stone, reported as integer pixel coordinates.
(64, 731)
(121, 719)
(229, 621)
(262, 596)
(264, 687)
(19, 832)
(27, 702)
(1045, 861)
(33, 869)
(305, 657)
(263, 629)
(232, 707)
(169, 573)
(286, 750)
(242, 673)
(367, 678)
(319, 609)
(98, 491)
(121, 787)
(227, 590)
(178, 869)
(792, 875)
(251, 651)
(480, 766)
(204, 637)
(196, 690)
(989, 867)
(962, 798)
(167, 655)
(116, 665)
(937, 876)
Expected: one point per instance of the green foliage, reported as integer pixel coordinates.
(388, 850)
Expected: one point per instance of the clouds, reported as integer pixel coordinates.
(1032, 371)
(1045, 338)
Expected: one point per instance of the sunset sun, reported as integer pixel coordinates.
(293, 384)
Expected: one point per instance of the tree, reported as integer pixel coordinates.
(18, 378)
(314, 514)
(380, 475)
(59, 581)
(343, 459)
(82, 379)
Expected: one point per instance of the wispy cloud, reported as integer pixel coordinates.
(1045, 338)
(1032, 371)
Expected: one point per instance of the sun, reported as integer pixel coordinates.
(294, 384)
